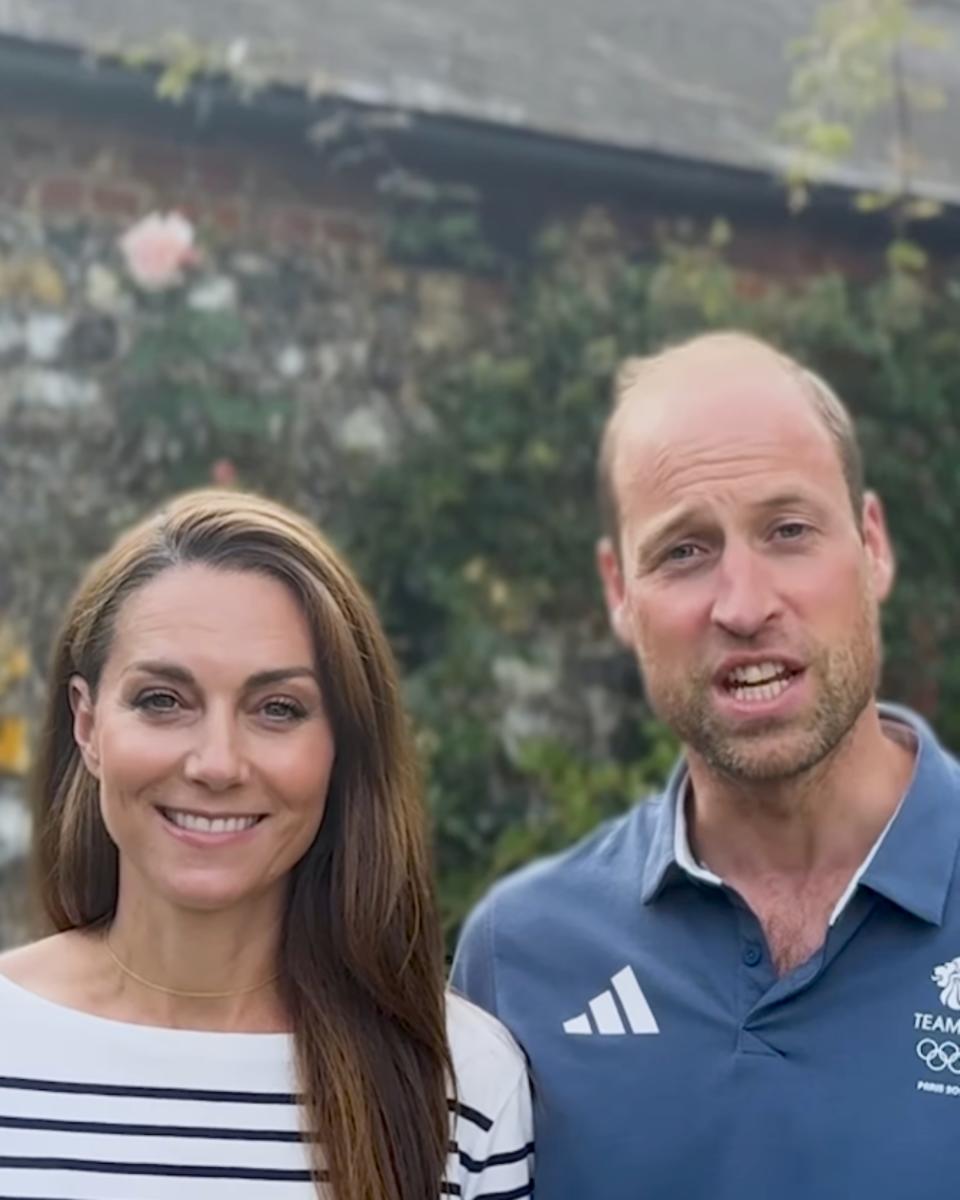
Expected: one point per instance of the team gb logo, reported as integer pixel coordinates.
(947, 979)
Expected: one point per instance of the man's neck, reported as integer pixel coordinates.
(790, 848)
(830, 814)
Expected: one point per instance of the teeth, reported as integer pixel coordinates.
(757, 673)
(199, 824)
(768, 691)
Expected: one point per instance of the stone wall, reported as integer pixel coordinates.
(332, 333)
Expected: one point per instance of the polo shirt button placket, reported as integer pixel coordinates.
(756, 980)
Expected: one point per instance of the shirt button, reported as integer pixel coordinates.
(752, 954)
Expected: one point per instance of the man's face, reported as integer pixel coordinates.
(744, 583)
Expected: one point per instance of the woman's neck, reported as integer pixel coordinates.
(192, 969)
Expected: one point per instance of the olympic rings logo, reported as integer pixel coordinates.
(939, 1056)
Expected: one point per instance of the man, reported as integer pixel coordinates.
(749, 987)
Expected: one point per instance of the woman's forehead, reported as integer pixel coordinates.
(209, 612)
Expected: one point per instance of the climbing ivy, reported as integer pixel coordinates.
(477, 543)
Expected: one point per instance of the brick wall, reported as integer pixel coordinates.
(67, 168)
(277, 193)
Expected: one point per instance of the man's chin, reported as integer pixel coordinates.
(763, 754)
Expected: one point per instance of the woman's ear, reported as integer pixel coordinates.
(84, 723)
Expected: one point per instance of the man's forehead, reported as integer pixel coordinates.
(718, 355)
(717, 406)
(771, 496)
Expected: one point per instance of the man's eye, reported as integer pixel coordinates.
(682, 553)
(789, 531)
(157, 702)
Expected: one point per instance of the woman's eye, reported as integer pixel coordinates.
(283, 710)
(157, 702)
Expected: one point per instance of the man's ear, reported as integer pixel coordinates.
(84, 723)
(614, 592)
(876, 540)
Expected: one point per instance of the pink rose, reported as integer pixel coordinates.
(157, 249)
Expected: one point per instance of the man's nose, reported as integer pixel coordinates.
(747, 598)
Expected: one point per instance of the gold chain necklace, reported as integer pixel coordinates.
(169, 991)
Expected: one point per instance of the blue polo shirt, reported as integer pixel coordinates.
(670, 1063)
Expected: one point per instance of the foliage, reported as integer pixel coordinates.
(14, 668)
(436, 223)
(854, 75)
(478, 544)
(181, 64)
(424, 220)
(185, 397)
(476, 539)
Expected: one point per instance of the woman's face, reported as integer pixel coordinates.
(209, 737)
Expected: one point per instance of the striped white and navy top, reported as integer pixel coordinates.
(92, 1109)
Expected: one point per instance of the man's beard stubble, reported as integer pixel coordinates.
(844, 680)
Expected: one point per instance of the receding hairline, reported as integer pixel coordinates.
(635, 370)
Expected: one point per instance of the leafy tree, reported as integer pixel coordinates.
(857, 82)
(478, 543)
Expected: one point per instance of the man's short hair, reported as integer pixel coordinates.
(827, 406)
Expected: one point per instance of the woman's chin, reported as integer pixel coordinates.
(215, 893)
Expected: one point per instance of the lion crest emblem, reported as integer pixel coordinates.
(947, 979)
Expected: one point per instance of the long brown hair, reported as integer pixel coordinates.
(361, 957)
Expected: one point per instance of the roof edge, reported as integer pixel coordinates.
(474, 147)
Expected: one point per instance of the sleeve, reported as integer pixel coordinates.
(496, 1163)
(472, 973)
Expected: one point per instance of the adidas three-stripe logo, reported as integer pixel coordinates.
(603, 1015)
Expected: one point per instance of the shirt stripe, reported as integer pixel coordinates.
(99, 1110)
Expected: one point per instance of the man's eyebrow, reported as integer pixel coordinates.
(671, 523)
(679, 521)
(783, 500)
(692, 517)
(178, 674)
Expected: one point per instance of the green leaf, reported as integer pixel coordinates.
(871, 202)
(927, 37)
(923, 210)
(904, 255)
(830, 139)
(721, 233)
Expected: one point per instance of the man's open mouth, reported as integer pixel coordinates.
(759, 681)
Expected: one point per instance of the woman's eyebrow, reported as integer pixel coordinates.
(166, 670)
(281, 675)
(178, 674)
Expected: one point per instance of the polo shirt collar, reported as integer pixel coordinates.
(913, 865)
(669, 858)
(912, 862)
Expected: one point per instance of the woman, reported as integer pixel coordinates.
(244, 995)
